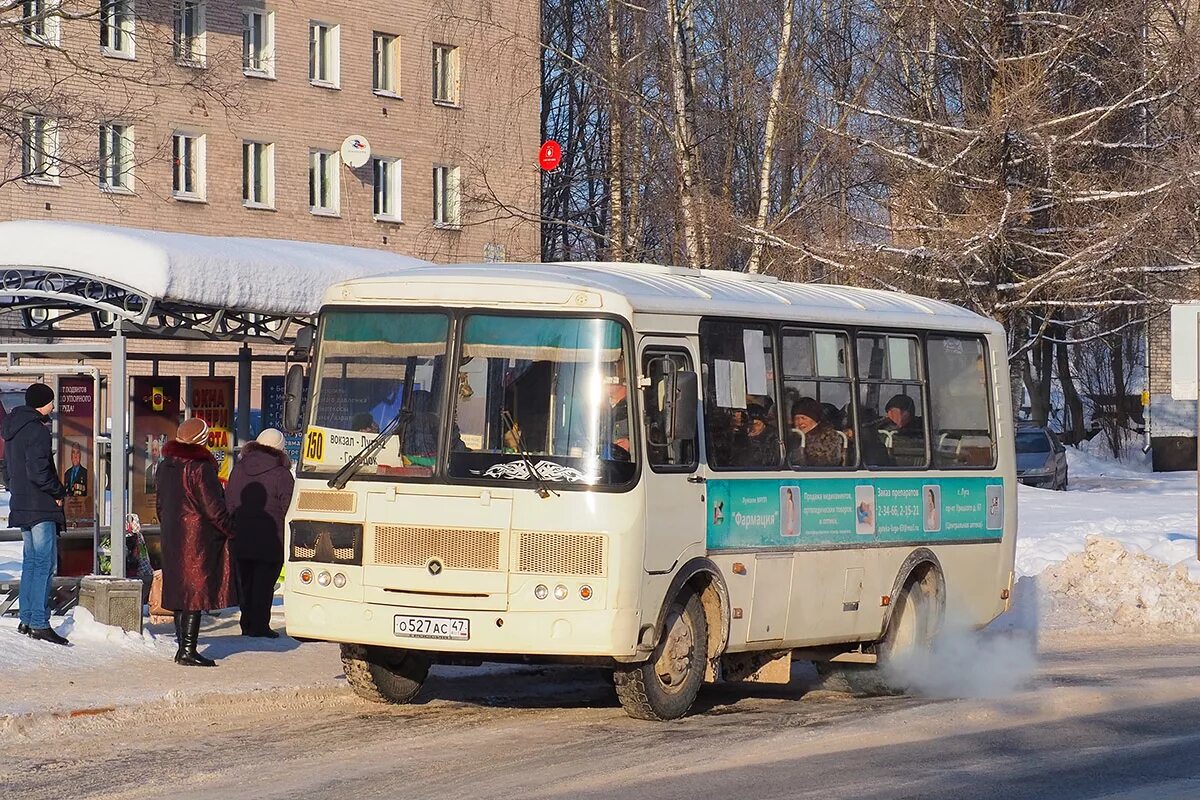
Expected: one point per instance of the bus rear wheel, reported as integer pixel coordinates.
(665, 686)
(384, 675)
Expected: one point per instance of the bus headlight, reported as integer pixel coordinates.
(560, 592)
(339, 580)
(324, 578)
(541, 592)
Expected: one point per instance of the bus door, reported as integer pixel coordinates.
(674, 482)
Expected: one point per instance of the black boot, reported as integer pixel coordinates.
(179, 635)
(190, 625)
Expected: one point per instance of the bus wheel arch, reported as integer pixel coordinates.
(702, 576)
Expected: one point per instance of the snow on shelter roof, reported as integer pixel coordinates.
(269, 276)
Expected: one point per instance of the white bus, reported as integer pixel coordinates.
(684, 476)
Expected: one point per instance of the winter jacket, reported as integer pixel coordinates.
(823, 447)
(33, 478)
(196, 527)
(258, 495)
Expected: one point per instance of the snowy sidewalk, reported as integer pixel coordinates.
(106, 667)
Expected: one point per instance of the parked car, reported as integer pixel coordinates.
(1041, 458)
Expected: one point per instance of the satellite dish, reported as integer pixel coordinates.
(356, 151)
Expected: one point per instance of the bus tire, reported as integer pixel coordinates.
(383, 675)
(665, 686)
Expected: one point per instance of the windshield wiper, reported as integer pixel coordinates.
(397, 424)
(543, 490)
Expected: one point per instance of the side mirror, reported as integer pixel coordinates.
(293, 398)
(684, 401)
(672, 402)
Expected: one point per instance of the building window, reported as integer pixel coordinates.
(116, 157)
(385, 67)
(258, 43)
(258, 174)
(445, 74)
(39, 149)
(323, 54)
(445, 197)
(387, 189)
(39, 21)
(189, 32)
(323, 183)
(187, 181)
(116, 28)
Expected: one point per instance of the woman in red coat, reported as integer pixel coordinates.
(196, 528)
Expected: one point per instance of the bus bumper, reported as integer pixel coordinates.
(589, 633)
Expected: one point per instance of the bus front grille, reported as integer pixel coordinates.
(560, 553)
(321, 500)
(455, 548)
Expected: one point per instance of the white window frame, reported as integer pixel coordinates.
(324, 52)
(392, 188)
(115, 157)
(265, 50)
(39, 163)
(190, 47)
(390, 86)
(323, 183)
(198, 161)
(250, 165)
(447, 197)
(118, 18)
(42, 27)
(446, 75)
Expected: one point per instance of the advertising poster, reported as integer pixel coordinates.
(272, 412)
(76, 447)
(211, 399)
(747, 514)
(155, 419)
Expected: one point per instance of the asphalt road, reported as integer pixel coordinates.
(1100, 718)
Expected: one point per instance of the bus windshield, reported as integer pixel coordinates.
(372, 367)
(544, 394)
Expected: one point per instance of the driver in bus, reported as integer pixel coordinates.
(618, 448)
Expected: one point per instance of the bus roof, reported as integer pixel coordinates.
(656, 289)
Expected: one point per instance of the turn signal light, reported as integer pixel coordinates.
(585, 592)
(1004, 594)
(306, 576)
(886, 600)
(739, 568)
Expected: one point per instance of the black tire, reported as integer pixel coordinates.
(912, 628)
(665, 686)
(383, 675)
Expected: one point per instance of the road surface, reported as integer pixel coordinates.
(1101, 718)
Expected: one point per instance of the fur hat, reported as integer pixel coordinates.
(272, 438)
(192, 431)
(38, 395)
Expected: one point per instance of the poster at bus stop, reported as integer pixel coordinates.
(155, 420)
(211, 399)
(273, 395)
(76, 447)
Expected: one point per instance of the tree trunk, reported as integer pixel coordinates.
(683, 132)
(773, 106)
(1073, 425)
(616, 158)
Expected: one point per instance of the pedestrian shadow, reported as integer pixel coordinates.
(221, 636)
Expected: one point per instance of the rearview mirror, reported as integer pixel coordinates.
(683, 407)
(293, 398)
(672, 402)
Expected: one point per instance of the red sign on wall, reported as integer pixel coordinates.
(550, 156)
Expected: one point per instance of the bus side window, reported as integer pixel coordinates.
(741, 416)
(818, 413)
(961, 422)
(891, 408)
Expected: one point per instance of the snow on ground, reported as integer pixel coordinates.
(10, 560)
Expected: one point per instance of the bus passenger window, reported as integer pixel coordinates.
(816, 399)
(891, 401)
(741, 418)
(961, 420)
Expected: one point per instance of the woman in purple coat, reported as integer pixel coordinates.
(258, 495)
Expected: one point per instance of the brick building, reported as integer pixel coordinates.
(227, 118)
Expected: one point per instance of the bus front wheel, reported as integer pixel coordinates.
(665, 686)
(383, 675)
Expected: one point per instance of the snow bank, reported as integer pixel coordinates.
(93, 644)
(10, 560)
(1107, 586)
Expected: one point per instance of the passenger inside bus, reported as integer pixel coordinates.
(617, 428)
(903, 432)
(813, 441)
(761, 448)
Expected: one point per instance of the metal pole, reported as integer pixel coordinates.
(244, 377)
(118, 451)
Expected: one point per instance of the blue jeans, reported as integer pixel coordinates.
(38, 566)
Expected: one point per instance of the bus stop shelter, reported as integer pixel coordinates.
(76, 294)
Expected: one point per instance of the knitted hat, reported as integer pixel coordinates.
(809, 408)
(272, 438)
(38, 395)
(192, 431)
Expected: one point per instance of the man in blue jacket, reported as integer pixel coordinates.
(35, 506)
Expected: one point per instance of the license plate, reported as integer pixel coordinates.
(433, 627)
